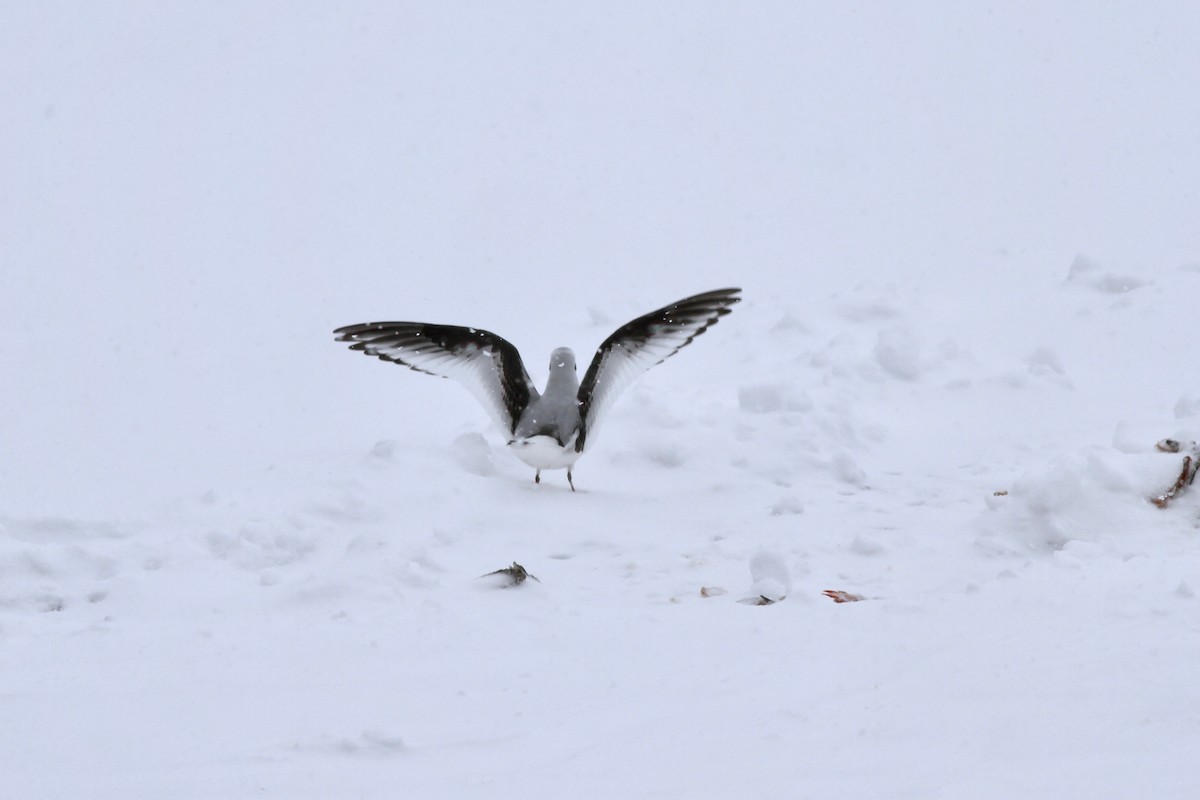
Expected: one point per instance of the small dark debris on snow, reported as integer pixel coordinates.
(516, 574)
(763, 600)
(838, 596)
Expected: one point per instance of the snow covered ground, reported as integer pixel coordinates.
(237, 560)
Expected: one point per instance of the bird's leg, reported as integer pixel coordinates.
(537, 476)
(569, 479)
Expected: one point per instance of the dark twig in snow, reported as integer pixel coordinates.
(1187, 475)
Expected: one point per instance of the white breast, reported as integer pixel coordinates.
(544, 452)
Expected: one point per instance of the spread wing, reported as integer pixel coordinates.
(486, 364)
(641, 344)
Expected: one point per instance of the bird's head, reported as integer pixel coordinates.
(562, 358)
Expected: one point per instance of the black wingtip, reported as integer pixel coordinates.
(346, 333)
(720, 293)
(720, 299)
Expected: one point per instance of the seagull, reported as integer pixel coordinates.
(550, 430)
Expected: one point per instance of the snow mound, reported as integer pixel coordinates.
(51, 564)
(473, 454)
(1102, 497)
(1088, 273)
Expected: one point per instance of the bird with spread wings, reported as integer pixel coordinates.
(550, 429)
